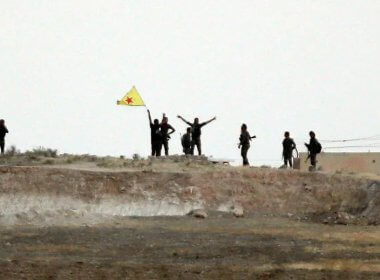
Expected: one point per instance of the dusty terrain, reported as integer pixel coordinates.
(81, 217)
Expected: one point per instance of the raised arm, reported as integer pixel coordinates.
(180, 117)
(150, 117)
(213, 119)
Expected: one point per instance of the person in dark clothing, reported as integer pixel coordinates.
(186, 141)
(3, 132)
(165, 127)
(196, 131)
(288, 147)
(244, 145)
(314, 148)
(155, 136)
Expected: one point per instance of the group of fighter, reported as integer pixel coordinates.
(161, 131)
(160, 135)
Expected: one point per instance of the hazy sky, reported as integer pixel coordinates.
(275, 65)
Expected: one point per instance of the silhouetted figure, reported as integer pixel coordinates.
(155, 136)
(244, 145)
(165, 127)
(288, 147)
(186, 141)
(3, 132)
(314, 148)
(196, 131)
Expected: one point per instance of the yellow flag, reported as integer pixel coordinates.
(132, 98)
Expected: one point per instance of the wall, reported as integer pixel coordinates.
(348, 162)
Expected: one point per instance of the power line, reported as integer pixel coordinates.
(353, 146)
(375, 137)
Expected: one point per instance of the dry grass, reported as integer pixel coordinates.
(48, 156)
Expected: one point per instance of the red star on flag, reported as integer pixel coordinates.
(132, 98)
(129, 100)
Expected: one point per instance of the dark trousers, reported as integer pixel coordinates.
(165, 143)
(313, 160)
(244, 154)
(196, 142)
(289, 160)
(187, 150)
(156, 148)
(2, 146)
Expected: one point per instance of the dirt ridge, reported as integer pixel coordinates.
(319, 196)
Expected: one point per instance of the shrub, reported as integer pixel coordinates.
(136, 157)
(44, 152)
(32, 157)
(11, 151)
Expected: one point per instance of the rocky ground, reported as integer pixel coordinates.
(83, 217)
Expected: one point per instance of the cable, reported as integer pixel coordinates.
(375, 137)
(355, 146)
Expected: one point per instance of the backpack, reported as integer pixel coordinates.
(318, 147)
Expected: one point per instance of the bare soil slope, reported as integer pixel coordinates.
(50, 191)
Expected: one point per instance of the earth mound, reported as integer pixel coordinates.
(93, 194)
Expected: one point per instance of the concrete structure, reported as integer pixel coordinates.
(345, 162)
